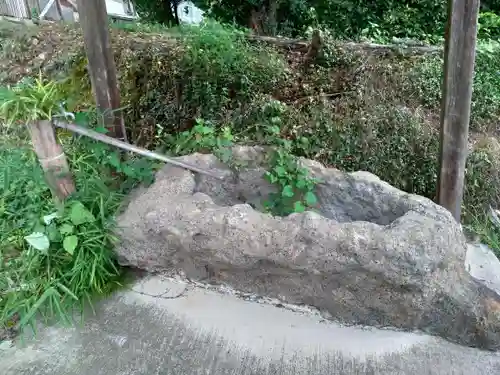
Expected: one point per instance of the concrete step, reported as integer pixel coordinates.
(162, 326)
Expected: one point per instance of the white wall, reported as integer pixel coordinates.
(52, 14)
(189, 13)
(13, 8)
(117, 8)
(113, 7)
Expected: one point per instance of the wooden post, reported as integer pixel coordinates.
(52, 159)
(28, 10)
(59, 10)
(102, 70)
(459, 56)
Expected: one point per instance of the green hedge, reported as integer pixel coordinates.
(346, 18)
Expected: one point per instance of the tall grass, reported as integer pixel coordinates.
(53, 256)
(49, 281)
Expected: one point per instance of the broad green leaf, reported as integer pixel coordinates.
(128, 170)
(80, 215)
(47, 219)
(280, 171)
(102, 130)
(70, 243)
(38, 241)
(299, 207)
(53, 234)
(81, 118)
(271, 177)
(114, 160)
(66, 229)
(310, 198)
(287, 191)
(301, 184)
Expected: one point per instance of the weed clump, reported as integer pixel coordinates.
(210, 72)
(53, 255)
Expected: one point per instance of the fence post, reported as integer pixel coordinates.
(52, 159)
(459, 56)
(93, 17)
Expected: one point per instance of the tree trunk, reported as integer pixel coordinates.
(102, 68)
(175, 6)
(256, 23)
(271, 19)
(459, 56)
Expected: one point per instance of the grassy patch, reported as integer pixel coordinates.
(53, 257)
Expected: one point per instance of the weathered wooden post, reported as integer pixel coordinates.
(102, 70)
(52, 159)
(459, 56)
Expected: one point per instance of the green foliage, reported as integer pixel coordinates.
(486, 94)
(346, 18)
(223, 67)
(30, 100)
(133, 169)
(295, 188)
(155, 11)
(487, 229)
(53, 257)
(203, 137)
(422, 20)
(212, 71)
(425, 80)
(141, 26)
(482, 178)
(489, 26)
(38, 273)
(61, 228)
(291, 17)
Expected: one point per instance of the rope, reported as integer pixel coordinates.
(48, 160)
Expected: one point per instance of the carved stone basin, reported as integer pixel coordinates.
(370, 255)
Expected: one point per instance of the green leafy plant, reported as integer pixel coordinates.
(295, 188)
(489, 26)
(61, 229)
(349, 19)
(52, 258)
(424, 80)
(132, 168)
(49, 262)
(204, 71)
(30, 100)
(221, 68)
(203, 137)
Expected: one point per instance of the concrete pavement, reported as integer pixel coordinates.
(151, 330)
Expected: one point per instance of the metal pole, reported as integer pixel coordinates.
(138, 150)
